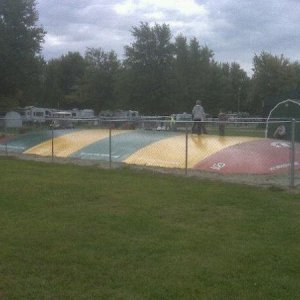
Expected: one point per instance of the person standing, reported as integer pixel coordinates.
(198, 115)
(280, 132)
(222, 121)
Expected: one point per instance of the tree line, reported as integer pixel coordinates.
(160, 74)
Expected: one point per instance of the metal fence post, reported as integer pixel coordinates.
(292, 154)
(110, 157)
(186, 148)
(52, 141)
(5, 136)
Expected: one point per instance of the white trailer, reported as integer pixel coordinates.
(36, 114)
(87, 114)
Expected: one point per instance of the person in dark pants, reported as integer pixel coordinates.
(198, 118)
(222, 121)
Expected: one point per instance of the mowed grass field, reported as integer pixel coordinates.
(73, 232)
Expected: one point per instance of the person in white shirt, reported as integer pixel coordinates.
(280, 132)
(198, 118)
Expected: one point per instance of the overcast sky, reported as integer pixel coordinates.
(234, 29)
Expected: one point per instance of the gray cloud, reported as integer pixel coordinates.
(234, 30)
(254, 26)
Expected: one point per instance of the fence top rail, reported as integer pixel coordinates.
(165, 119)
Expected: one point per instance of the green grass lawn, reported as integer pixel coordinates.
(70, 232)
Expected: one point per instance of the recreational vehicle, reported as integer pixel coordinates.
(35, 114)
(82, 113)
(87, 114)
(62, 120)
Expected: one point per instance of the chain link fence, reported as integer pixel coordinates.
(240, 150)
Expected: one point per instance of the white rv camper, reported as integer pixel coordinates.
(62, 120)
(35, 114)
(87, 114)
(82, 113)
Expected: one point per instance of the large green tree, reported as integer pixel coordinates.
(200, 65)
(20, 44)
(82, 82)
(192, 70)
(232, 96)
(149, 62)
(63, 77)
(273, 79)
(98, 86)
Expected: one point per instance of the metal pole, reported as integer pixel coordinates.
(52, 141)
(110, 158)
(5, 136)
(292, 154)
(239, 95)
(186, 148)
